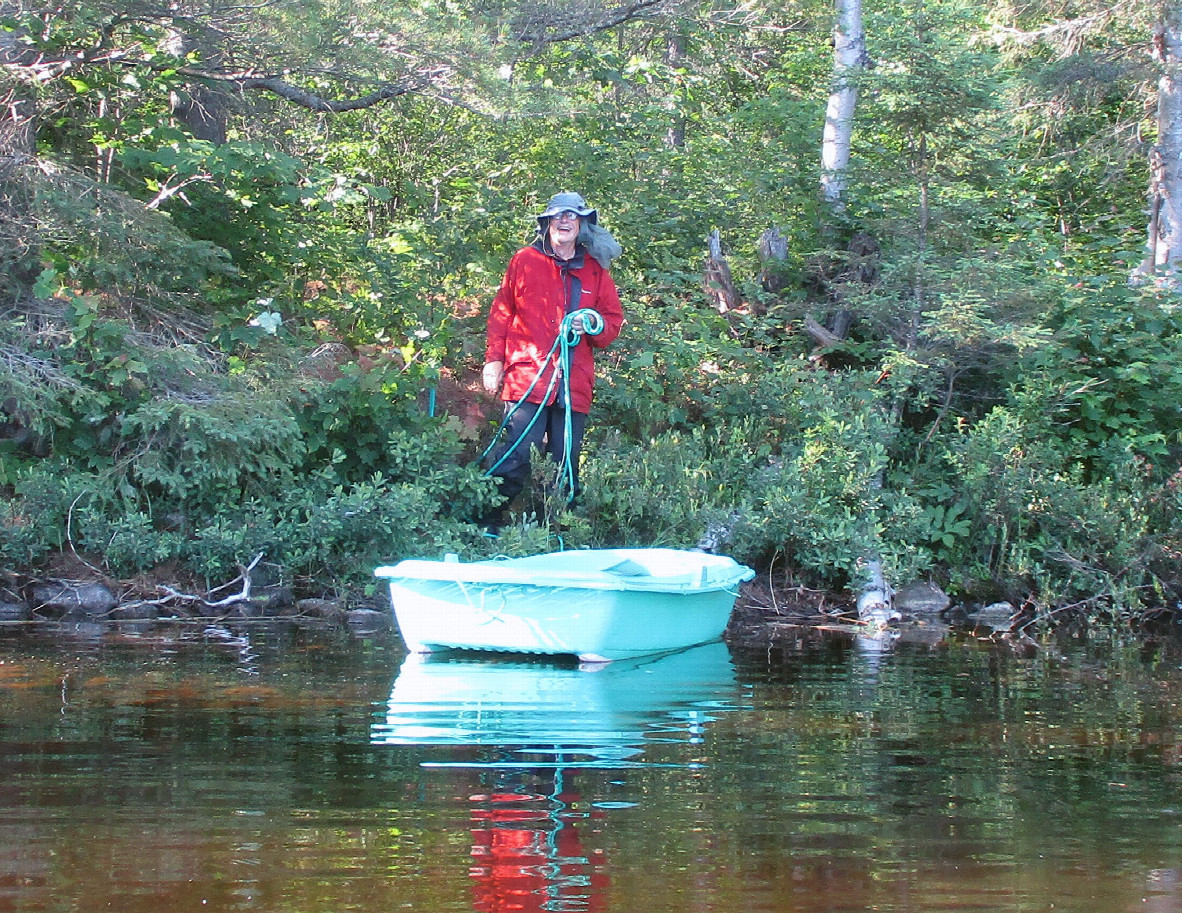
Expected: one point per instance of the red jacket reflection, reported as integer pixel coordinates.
(526, 859)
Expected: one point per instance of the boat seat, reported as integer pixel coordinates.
(627, 568)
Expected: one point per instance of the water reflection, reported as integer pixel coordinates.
(564, 714)
(528, 850)
(288, 770)
(536, 725)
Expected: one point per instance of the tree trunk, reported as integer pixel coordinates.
(876, 600)
(202, 109)
(717, 279)
(773, 254)
(675, 57)
(849, 57)
(1164, 241)
(875, 608)
(18, 236)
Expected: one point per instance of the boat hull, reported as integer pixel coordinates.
(577, 608)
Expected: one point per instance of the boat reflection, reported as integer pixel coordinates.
(570, 716)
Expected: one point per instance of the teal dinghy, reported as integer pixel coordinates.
(599, 605)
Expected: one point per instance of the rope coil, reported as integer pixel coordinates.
(591, 323)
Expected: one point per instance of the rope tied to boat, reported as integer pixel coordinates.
(576, 324)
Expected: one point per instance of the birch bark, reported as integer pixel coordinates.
(875, 607)
(1164, 236)
(849, 57)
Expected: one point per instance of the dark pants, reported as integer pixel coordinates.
(547, 433)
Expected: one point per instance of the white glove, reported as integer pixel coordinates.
(494, 371)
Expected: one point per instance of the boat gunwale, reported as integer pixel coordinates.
(502, 574)
(708, 572)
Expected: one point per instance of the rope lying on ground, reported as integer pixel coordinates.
(590, 323)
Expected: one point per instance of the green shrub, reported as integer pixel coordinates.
(676, 366)
(212, 484)
(197, 453)
(1113, 381)
(822, 503)
(430, 459)
(798, 473)
(346, 423)
(326, 536)
(24, 538)
(1046, 527)
(125, 541)
(51, 501)
(100, 239)
(667, 490)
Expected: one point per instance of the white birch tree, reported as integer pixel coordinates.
(1164, 236)
(875, 606)
(849, 58)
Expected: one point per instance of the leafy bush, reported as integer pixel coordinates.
(1113, 382)
(822, 502)
(677, 366)
(325, 535)
(212, 481)
(40, 517)
(803, 483)
(346, 423)
(1045, 526)
(25, 536)
(665, 491)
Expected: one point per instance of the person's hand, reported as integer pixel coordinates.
(494, 371)
(576, 323)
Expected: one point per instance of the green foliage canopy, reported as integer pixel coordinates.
(231, 345)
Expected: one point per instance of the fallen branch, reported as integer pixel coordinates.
(820, 335)
(172, 596)
(244, 576)
(70, 534)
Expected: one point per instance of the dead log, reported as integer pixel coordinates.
(821, 336)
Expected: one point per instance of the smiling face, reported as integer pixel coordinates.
(564, 232)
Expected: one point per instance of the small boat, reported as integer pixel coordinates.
(598, 604)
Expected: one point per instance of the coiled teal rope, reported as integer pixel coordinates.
(568, 338)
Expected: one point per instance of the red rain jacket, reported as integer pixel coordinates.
(525, 318)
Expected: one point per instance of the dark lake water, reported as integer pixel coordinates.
(304, 769)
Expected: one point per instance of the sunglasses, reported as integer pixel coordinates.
(566, 215)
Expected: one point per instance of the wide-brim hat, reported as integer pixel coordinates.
(561, 202)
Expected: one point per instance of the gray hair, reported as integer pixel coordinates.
(599, 243)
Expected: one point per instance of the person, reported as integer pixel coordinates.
(559, 285)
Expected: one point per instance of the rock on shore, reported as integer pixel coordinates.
(62, 599)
